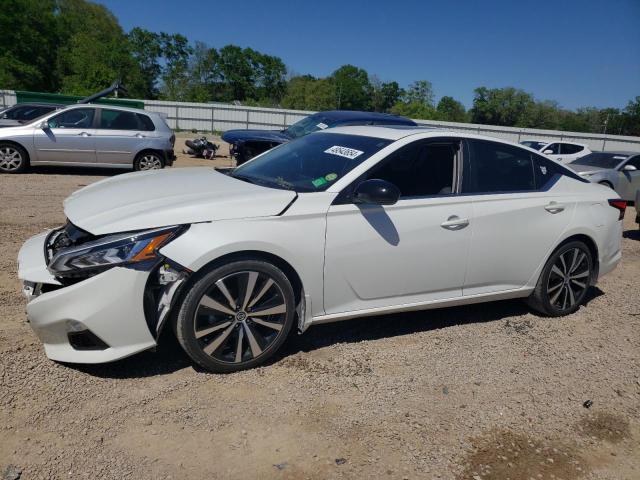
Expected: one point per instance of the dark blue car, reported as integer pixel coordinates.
(245, 144)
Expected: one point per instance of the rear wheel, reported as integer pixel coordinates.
(564, 282)
(148, 161)
(13, 158)
(236, 316)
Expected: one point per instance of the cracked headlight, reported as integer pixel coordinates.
(111, 250)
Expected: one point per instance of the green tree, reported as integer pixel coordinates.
(451, 110)
(353, 89)
(146, 51)
(94, 50)
(415, 109)
(420, 91)
(384, 95)
(501, 106)
(175, 79)
(28, 45)
(308, 93)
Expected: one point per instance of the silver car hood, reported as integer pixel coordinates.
(158, 198)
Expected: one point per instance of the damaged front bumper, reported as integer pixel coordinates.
(101, 318)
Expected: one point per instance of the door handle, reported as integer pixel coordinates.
(554, 207)
(455, 223)
(84, 134)
(139, 135)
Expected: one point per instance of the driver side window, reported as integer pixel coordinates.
(635, 161)
(422, 168)
(75, 118)
(554, 147)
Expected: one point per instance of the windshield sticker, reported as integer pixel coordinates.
(543, 169)
(318, 182)
(330, 177)
(322, 126)
(618, 157)
(346, 152)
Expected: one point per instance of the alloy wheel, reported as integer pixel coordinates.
(150, 162)
(240, 316)
(10, 159)
(569, 279)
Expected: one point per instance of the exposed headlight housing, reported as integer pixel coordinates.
(124, 249)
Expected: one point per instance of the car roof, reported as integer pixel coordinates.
(110, 107)
(396, 132)
(33, 104)
(345, 115)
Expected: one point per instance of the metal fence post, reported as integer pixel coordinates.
(285, 120)
(247, 120)
(212, 118)
(177, 115)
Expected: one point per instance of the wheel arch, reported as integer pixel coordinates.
(286, 267)
(155, 151)
(591, 245)
(18, 144)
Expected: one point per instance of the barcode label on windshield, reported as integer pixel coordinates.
(346, 152)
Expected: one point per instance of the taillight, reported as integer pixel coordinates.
(620, 205)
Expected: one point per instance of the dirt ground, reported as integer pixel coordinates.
(480, 392)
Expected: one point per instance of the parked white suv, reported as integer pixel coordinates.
(346, 222)
(565, 152)
(89, 135)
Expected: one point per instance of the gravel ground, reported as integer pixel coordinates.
(479, 392)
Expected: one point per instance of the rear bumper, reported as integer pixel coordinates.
(107, 307)
(169, 157)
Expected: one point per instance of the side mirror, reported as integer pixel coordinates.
(376, 192)
(43, 125)
(548, 152)
(629, 168)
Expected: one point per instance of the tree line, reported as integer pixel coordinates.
(78, 47)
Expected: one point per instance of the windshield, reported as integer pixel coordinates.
(601, 160)
(308, 125)
(26, 113)
(533, 144)
(310, 164)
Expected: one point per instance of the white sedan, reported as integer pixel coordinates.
(347, 222)
(565, 152)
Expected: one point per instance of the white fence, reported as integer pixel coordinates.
(208, 117)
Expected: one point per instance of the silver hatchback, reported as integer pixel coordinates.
(89, 136)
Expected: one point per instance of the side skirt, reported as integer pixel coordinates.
(408, 307)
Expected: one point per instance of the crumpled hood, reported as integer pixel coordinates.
(159, 198)
(233, 136)
(584, 169)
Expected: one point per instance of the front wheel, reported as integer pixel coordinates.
(564, 281)
(13, 158)
(236, 316)
(148, 161)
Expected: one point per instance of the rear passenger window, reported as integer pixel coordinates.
(498, 168)
(546, 172)
(146, 124)
(570, 149)
(554, 148)
(118, 120)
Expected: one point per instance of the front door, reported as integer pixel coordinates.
(629, 182)
(412, 252)
(69, 138)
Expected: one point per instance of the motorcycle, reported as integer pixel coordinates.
(201, 147)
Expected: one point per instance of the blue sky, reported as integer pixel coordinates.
(577, 52)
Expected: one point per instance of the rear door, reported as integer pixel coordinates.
(518, 215)
(119, 135)
(68, 138)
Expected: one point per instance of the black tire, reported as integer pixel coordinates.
(13, 158)
(148, 161)
(236, 342)
(606, 184)
(555, 295)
